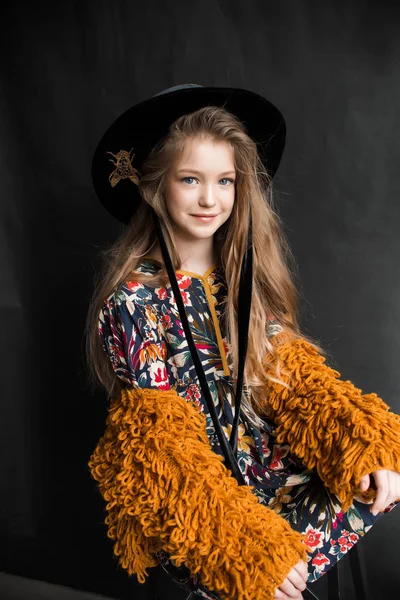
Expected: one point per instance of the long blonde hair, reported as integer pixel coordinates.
(274, 291)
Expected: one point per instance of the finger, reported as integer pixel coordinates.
(297, 580)
(279, 595)
(382, 493)
(289, 589)
(365, 483)
(302, 568)
(389, 500)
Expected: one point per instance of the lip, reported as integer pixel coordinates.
(204, 217)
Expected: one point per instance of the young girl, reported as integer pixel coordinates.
(245, 508)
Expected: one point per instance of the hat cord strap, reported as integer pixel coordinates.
(244, 311)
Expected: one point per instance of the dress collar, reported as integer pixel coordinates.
(154, 265)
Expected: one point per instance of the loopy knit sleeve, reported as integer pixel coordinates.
(330, 424)
(166, 489)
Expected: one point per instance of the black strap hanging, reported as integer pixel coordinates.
(244, 309)
(229, 455)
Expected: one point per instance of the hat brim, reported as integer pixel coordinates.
(143, 125)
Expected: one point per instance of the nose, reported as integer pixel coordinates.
(208, 196)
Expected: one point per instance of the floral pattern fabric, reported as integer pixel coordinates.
(141, 332)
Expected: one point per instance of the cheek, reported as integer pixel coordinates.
(227, 206)
(177, 201)
(229, 202)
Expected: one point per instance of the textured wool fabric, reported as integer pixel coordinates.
(166, 489)
(329, 423)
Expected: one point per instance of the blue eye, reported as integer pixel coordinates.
(188, 180)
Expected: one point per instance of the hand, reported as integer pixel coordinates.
(294, 583)
(387, 488)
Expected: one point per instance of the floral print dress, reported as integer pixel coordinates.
(141, 332)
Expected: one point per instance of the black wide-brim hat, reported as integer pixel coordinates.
(128, 141)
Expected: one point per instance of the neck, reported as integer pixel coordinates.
(196, 255)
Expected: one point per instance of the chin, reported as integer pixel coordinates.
(203, 230)
(200, 235)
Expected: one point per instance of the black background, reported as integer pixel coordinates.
(67, 70)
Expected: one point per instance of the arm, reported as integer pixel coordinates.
(329, 423)
(166, 489)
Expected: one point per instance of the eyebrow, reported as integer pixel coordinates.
(187, 169)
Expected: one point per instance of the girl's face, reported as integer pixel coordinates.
(200, 188)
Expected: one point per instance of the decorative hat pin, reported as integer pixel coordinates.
(124, 168)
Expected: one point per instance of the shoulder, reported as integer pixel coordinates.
(132, 310)
(131, 295)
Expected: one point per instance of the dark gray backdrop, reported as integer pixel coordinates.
(67, 70)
